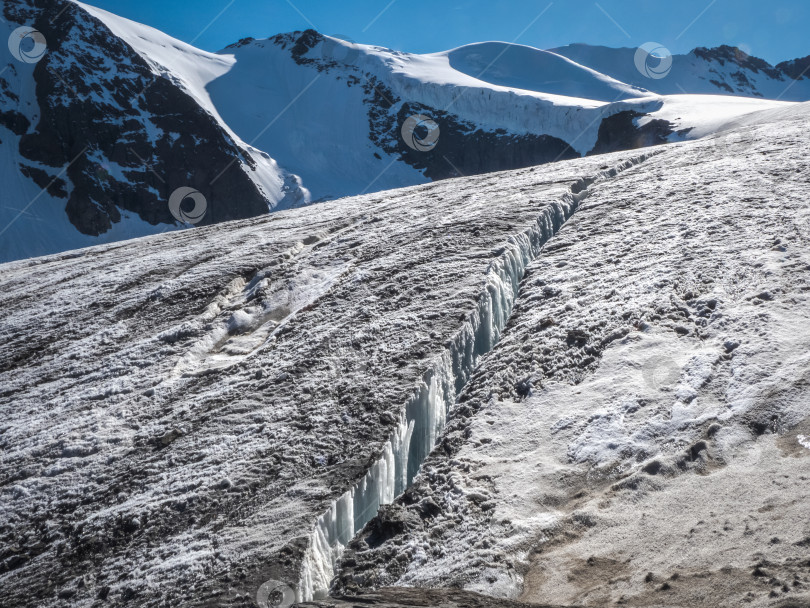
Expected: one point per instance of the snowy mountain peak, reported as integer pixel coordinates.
(738, 57)
(267, 124)
(797, 69)
(723, 70)
(523, 67)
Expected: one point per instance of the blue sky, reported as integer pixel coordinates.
(772, 29)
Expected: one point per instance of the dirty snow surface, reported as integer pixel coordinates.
(639, 436)
(194, 418)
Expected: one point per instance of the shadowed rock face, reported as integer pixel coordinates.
(796, 68)
(731, 54)
(619, 132)
(464, 149)
(91, 115)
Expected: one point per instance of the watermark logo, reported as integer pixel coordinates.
(339, 48)
(275, 594)
(27, 44)
(749, 453)
(660, 372)
(653, 60)
(420, 133)
(103, 172)
(195, 214)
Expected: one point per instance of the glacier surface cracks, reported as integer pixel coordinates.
(424, 415)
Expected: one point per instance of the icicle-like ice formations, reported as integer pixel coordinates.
(424, 416)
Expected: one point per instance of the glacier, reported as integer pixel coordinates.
(423, 417)
(476, 383)
(638, 434)
(191, 373)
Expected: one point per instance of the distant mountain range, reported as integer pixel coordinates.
(99, 133)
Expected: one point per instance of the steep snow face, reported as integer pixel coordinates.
(522, 67)
(193, 70)
(640, 429)
(491, 86)
(32, 216)
(316, 122)
(481, 96)
(719, 71)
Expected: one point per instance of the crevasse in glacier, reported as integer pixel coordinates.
(424, 416)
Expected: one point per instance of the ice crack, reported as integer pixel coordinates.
(424, 416)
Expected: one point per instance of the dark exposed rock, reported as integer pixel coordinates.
(464, 149)
(722, 85)
(620, 132)
(87, 114)
(731, 54)
(14, 121)
(796, 68)
(391, 520)
(55, 185)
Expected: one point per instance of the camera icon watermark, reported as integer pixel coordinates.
(660, 372)
(653, 60)
(275, 594)
(339, 48)
(27, 45)
(420, 132)
(188, 216)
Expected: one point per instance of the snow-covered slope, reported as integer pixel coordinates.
(119, 116)
(202, 417)
(193, 70)
(719, 71)
(190, 432)
(523, 67)
(529, 106)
